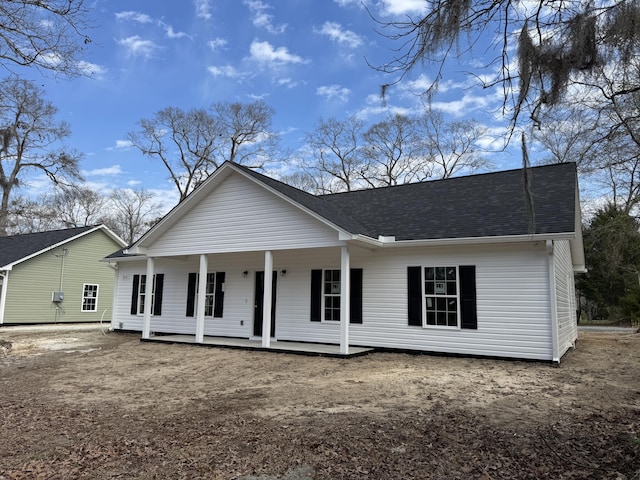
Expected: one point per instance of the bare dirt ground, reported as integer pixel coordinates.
(83, 404)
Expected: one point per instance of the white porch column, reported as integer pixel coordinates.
(266, 304)
(202, 295)
(345, 296)
(148, 293)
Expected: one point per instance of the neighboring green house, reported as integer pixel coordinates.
(57, 276)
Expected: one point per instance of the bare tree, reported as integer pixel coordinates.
(133, 212)
(183, 141)
(336, 154)
(451, 148)
(76, 206)
(31, 140)
(244, 133)
(558, 43)
(600, 133)
(192, 144)
(27, 215)
(47, 35)
(394, 152)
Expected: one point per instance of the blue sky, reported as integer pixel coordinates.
(305, 58)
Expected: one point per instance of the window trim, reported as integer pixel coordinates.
(356, 312)
(156, 296)
(206, 294)
(467, 294)
(84, 297)
(217, 296)
(445, 295)
(324, 296)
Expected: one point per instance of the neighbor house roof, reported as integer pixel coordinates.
(18, 248)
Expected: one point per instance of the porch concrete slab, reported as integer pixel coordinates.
(300, 348)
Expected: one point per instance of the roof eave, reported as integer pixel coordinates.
(363, 239)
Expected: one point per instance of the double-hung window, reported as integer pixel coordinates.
(209, 294)
(213, 294)
(442, 296)
(326, 295)
(89, 297)
(141, 289)
(331, 295)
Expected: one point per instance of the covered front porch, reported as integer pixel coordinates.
(251, 306)
(298, 348)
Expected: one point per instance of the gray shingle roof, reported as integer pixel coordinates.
(484, 205)
(17, 247)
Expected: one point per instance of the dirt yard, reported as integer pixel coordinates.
(84, 404)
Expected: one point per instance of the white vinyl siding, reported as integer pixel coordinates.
(247, 218)
(565, 297)
(512, 292)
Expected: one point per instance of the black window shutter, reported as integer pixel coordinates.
(355, 301)
(468, 296)
(157, 298)
(134, 295)
(218, 299)
(191, 293)
(414, 284)
(316, 295)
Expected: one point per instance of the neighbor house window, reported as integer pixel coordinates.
(89, 297)
(141, 290)
(213, 294)
(443, 296)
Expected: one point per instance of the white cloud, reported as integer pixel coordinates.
(133, 183)
(124, 144)
(217, 43)
(287, 82)
(171, 33)
(227, 71)
(262, 19)
(134, 17)
(265, 53)
(334, 91)
(203, 9)
(92, 69)
(136, 46)
(403, 7)
(336, 33)
(348, 3)
(101, 172)
(463, 106)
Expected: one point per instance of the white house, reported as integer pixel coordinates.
(460, 266)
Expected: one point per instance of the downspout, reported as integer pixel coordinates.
(553, 301)
(114, 296)
(3, 295)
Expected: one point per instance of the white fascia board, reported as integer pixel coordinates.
(462, 241)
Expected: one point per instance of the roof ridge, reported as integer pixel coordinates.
(439, 180)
